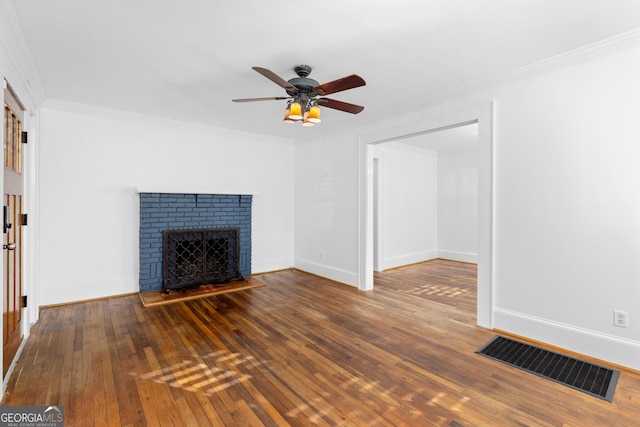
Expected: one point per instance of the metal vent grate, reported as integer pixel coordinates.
(197, 257)
(592, 379)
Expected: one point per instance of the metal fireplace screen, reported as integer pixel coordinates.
(198, 257)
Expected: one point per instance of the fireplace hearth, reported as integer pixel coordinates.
(201, 257)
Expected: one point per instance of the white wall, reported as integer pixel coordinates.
(326, 197)
(458, 204)
(566, 240)
(567, 211)
(90, 164)
(429, 203)
(409, 194)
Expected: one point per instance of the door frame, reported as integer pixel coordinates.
(483, 115)
(30, 314)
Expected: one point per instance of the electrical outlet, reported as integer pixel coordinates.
(620, 318)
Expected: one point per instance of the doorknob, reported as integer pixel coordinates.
(9, 247)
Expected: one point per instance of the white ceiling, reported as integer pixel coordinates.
(187, 59)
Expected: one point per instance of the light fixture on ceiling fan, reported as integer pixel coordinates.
(306, 95)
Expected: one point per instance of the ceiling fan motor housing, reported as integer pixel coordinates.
(304, 84)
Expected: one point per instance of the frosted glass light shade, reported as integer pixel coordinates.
(287, 116)
(306, 121)
(314, 114)
(296, 111)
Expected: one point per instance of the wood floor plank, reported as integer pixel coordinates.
(264, 404)
(300, 351)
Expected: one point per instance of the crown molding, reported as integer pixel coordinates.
(23, 75)
(599, 49)
(602, 48)
(55, 104)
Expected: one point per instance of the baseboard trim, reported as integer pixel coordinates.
(608, 348)
(266, 266)
(60, 304)
(409, 259)
(458, 256)
(7, 376)
(337, 275)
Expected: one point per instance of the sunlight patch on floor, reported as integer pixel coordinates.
(439, 290)
(198, 376)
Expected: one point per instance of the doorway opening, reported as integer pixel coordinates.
(369, 170)
(425, 198)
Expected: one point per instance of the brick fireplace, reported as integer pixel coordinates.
(160, 212)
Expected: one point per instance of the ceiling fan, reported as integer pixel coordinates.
(306, 95)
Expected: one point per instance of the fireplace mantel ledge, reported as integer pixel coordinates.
(194, 190)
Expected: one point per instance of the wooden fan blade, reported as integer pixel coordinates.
(339, 105)
(275, 78)
(273, 98)
(339, 85)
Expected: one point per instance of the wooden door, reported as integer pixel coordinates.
(13, 219)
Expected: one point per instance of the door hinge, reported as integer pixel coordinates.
(5, 214)
(25, 137)
(23, 219)
(24, 301)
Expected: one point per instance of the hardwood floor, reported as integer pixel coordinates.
(300, 351)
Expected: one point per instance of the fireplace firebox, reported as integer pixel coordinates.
(201, 257)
